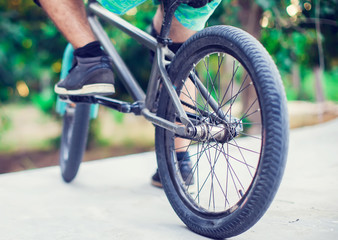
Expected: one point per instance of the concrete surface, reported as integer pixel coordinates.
(112, 198)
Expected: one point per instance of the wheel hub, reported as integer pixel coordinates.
(221, 133)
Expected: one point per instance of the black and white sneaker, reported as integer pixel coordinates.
(89, 76)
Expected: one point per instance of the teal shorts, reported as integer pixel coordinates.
(189, 17)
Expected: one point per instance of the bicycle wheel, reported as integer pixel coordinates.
(74, 139)
(233, 95)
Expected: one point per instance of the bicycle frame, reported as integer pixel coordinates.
(144, 103)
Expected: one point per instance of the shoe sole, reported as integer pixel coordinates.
(93, 89)
(156, 184)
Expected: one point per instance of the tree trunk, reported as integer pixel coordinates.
(250, 16)
(318, 71)
(295, 77)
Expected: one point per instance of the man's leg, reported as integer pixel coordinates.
(178, 34)
(92, 73)
(70, 18)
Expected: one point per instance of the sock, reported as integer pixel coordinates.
(174, 47)
(92, 49)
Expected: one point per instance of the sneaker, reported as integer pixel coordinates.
(89, 76)
(185, 169)
(155, 180)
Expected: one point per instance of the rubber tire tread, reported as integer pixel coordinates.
(77, 142)
(274, 115)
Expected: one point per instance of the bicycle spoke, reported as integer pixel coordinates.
(250, 114)
(233, 98)
(222, 171)
(239, 161)
(251, 136)
(231, 82)
(249, 150)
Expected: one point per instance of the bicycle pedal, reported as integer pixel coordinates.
(65, 98)
(77, 99)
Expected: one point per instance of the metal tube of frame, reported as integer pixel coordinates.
(180, 130)
(124, 73)
(153, 85)
(136, 33)
(119, 66)
(169, 86)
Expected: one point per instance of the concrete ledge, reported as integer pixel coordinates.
(112, 198)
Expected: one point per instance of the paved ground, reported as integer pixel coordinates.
(112, 198)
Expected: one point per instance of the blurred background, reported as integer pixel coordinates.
(301, 36)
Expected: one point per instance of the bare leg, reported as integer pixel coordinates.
(70, 18)
(178, 33)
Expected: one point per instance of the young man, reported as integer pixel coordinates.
(92, 73)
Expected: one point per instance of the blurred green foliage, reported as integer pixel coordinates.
(31, 47)
(30, 54)
(292, 41)
(289, 34)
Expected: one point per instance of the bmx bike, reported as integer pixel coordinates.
(222, 94)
